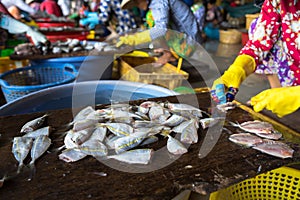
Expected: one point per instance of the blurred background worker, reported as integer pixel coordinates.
(274, 44)
(15, 7)
(167, 14)
(110, 14)
(65, 6)
(51, 7)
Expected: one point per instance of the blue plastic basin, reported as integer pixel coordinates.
(82, 94)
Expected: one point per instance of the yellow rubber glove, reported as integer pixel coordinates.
(243, 66)
(281, 101)
(135, 39)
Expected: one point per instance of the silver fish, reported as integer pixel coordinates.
(94, 148)
(21, 147)
(155, 112)
(84, 124)
(110, 141)
(182, 108)
(128, 142)
(275, 148)
(144, 124)
(190, 133)
(99, 133)
(39, 147)
(82, 114)
(38, 132)
(68, 141)
(79, 137)
(33, 124)
(245, 139)
(209, 122)
(174, 120)
(71, 155)
(175, 147)
(119, 129)
(137, 156)
(226, 106)
(149, 140)
(260, 128)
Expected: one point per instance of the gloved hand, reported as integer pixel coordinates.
(36, 36)
(281, 101)
(135, 39)
(243, 66)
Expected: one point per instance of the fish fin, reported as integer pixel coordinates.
(236, 124)
(57, 149)
(32, 171)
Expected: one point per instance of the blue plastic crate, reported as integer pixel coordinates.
(19, 82)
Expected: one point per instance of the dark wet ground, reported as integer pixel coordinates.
(226, 164)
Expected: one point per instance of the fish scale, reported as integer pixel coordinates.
(21, 147)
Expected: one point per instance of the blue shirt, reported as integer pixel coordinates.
(176, 15)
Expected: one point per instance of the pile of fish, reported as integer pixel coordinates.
(68, 46)
(264, 138)
(120, 131)
(34, 140)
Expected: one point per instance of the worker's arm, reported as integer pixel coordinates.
(16, 27)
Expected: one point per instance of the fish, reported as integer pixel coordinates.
(110, 141)
(128, 142)
(210, 121)
(33, 124)
(156, 112)
(38, 132)
(119, 129)
(275, 148)
(175, 147)
(245, 139)
(21, 147)
(149, 140)
(182, 108)
(190, 133)
(39, 147)
(68, 141)
(71, 155)
(260, 128)
(79, 137)
(136, 156)
(93, 148)
(99, 133)
(226, 106)
(84, 124)
(174, 120)
(82, 114)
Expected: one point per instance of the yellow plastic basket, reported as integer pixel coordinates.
(282, 183)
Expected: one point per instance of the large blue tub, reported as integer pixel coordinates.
(78, 95)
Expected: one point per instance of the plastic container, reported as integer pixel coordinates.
(101, 92)
(54, 36)
(7, 64)
(19, 82)
(47, 22)
(282, 183)
(230, 36)
(139, 69)
(250, 18)
(101, 61)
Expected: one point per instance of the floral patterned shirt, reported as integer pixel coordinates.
(279, 20)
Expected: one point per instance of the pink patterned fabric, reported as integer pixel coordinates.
(279, 20)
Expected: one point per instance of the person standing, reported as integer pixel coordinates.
(277, 26)
(51, 7)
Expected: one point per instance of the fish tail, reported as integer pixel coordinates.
(236, 124)
(32, 171)
(20, 167)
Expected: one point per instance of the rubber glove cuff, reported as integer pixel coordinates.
(238, 71)
(135, 39)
